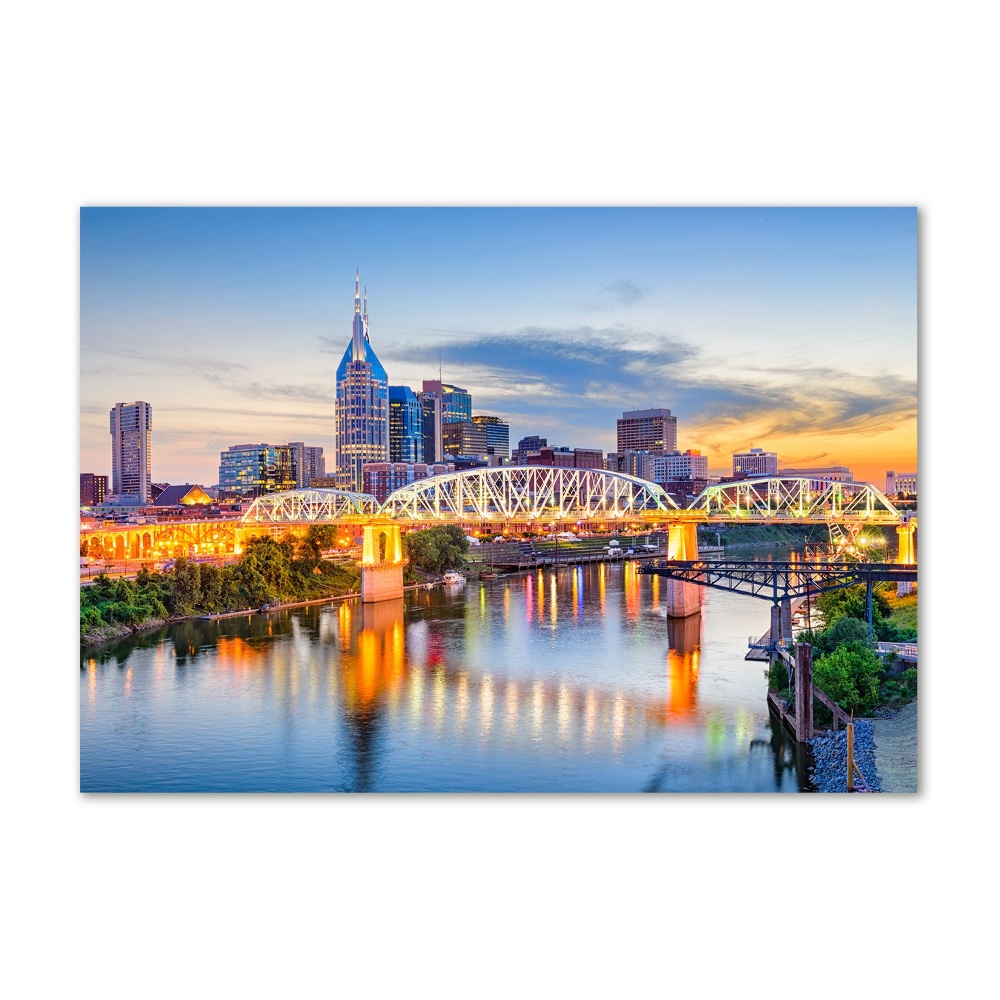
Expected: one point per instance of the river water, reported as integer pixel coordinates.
(567, 680)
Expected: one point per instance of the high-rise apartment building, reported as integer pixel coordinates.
(131, 451)
(654, 431)
(406, 428)
(361, 432)
(93, 489)
(755, 462)
(310, 463)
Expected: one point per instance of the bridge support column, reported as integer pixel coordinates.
(803, 693)
(381, 563)
(683, 599)
(907, 553)
(682, 541)
(786, 620)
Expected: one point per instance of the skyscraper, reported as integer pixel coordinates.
(361, 429)
(131, 454)
(309, 461)
(406, 432)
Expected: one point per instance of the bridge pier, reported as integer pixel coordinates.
(683, 599)
(907, 552)
(381, 563)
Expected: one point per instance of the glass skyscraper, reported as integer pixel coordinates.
(406, 433)
(361, 427)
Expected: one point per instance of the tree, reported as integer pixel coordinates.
(437, 549)
(850, 675)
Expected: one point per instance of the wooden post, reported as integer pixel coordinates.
(850, 755)
(803, 693)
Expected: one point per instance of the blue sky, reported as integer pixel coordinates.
(794, 330)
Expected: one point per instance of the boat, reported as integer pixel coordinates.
(488, 574)
(452, 579)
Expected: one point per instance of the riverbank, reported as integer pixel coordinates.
(896, 749)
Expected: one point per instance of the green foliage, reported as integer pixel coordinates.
(269, 570)
(845, 629)
(850, 675)
(437, 549)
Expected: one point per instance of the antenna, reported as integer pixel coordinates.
(439, 364)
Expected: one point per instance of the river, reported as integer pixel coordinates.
(567, 680)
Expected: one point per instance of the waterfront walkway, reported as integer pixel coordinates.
(896, 750)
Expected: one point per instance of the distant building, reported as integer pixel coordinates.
(497, 435)
(566, 458)
(754, 463)
(131, 451)
(310, 463)
(382, 478)
(897, 484)
(527, 444)
(361, 432)
(93, 489)
(632, 463)
(820, 473)
(406, 434)
(679, 467)
(431, 426)
(653, 430)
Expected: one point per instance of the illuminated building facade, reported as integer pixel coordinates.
(654, 431)
(456, 403)
(131, 451)
(406, 429)
(820, 474)
(361, 426)
(248, 471)
(497, 435)
(680, 466)
(755, 462)
(381, 478)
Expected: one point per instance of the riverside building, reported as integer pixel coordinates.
(653, 431)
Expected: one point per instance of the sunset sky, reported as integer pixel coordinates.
(792, 330)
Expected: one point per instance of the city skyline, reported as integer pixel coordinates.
(794, 330)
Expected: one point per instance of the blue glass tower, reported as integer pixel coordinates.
(406, 431)
(361, 432)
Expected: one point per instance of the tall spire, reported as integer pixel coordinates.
(365, 314)
(357, 290)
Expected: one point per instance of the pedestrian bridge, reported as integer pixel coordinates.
(512, 498)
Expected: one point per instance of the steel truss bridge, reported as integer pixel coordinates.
(780, 581)
(515, 498)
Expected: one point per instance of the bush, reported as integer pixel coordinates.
(851, 676)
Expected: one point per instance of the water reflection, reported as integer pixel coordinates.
(511, 684)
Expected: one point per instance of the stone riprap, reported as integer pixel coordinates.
(829, 769)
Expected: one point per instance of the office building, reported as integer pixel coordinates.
(526, 445)
(632, 463)
(310, 463)
(431, 426)
(247, 471)
(654, 431)
(93, 489)
(754, 463)
(406, 434)
(680, 467)
(361, 431)
(382, 478)
(820, 474)
(456, 403)
(497, 435)
(899, 484)
(131, 451)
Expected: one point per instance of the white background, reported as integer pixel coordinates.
(435, 103)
